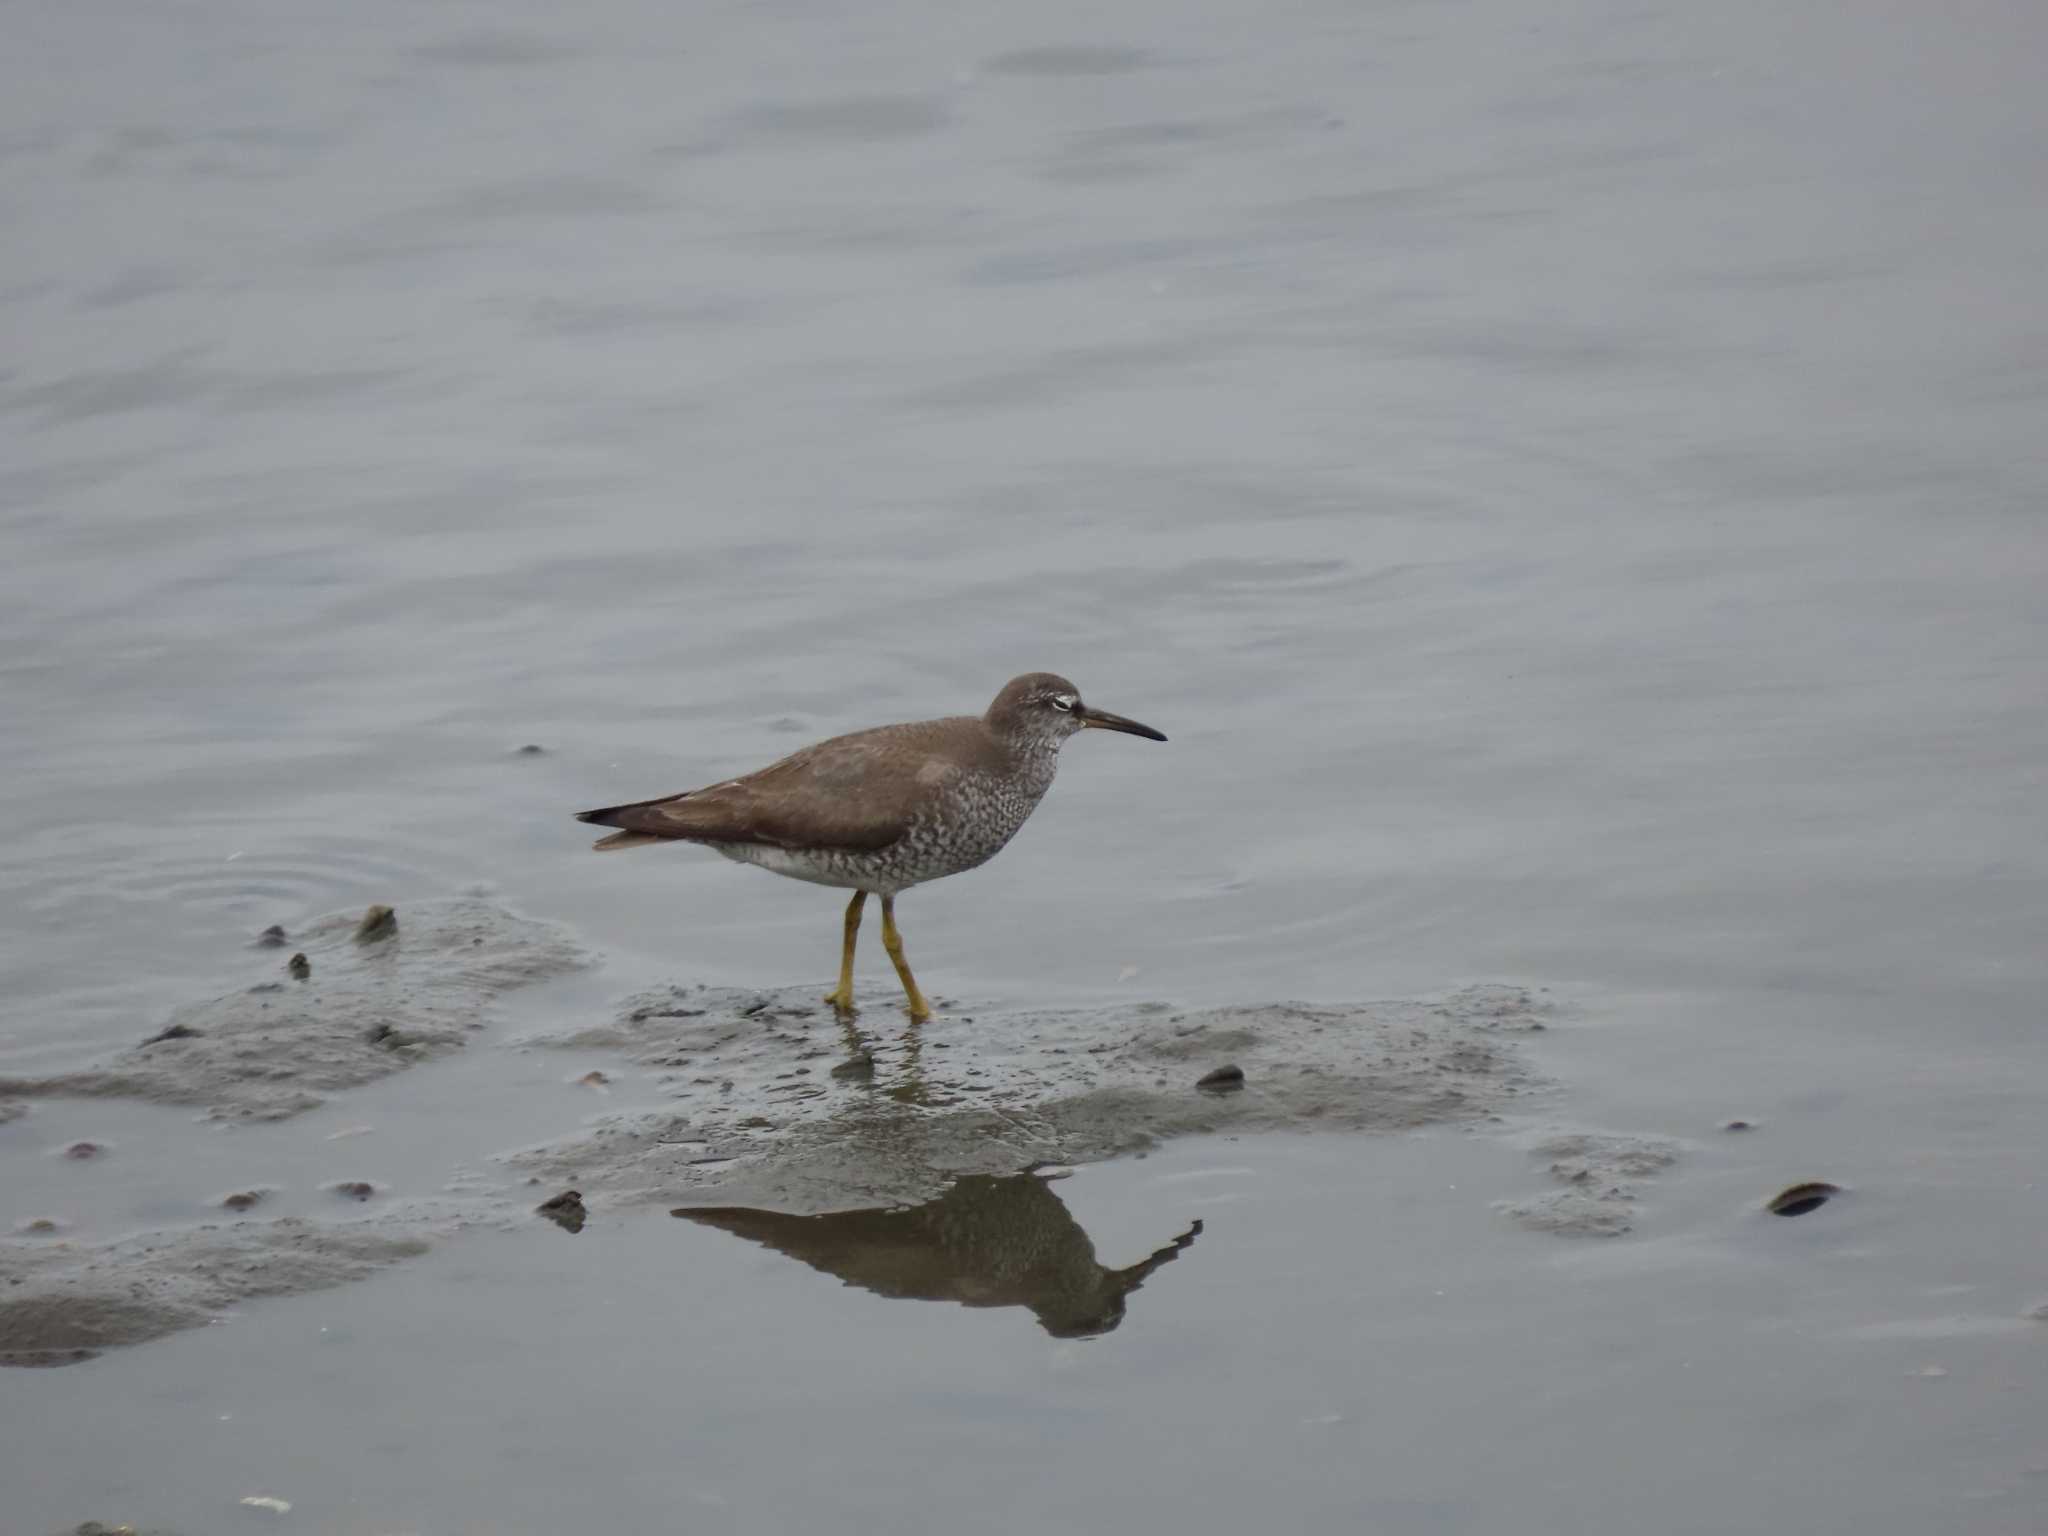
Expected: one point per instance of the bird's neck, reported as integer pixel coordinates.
(1033, 758)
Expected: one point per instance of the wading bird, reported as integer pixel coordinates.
(885, 809)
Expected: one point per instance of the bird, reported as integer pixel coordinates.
(881, 810)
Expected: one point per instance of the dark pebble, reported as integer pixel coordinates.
(1798, 1199)
(565, 1210)
(354, 1189)
(1737, 1125)
(273, 937)
(300, 967)
(380, 922)
(174, 1032)
(531, 750)
(84, 1151)
(1227, 1079)
(243, 1201)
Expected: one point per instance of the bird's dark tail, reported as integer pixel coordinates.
(609, 817)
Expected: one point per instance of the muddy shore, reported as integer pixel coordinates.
(763, 1101)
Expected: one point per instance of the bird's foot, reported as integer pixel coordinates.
(840, 1000)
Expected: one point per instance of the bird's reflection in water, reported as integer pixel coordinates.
(986, 1242)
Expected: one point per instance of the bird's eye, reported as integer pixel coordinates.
(1062, 702)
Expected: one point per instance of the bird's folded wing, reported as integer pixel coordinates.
(838, 794)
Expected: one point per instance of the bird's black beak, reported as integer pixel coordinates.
(1103, 720)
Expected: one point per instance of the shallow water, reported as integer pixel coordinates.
(1569, 485)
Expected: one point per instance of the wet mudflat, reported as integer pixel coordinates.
(747, 1111)
(1567, 485)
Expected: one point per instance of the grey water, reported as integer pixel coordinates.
(1569, 481)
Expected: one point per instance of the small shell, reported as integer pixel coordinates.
(1798, 1199)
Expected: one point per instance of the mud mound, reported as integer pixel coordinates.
(780, 1103)
(370, 1006)
(61, 1305)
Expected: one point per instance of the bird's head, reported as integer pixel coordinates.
(1044, 708)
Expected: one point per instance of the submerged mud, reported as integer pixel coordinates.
(779, 1103)
(409, 989)
(1601, 1179)
(59, 1305)
(374, 1003)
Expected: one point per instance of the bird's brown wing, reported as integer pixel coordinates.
(857, 792)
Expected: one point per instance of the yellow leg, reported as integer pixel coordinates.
(842, 1000)
(892, 941)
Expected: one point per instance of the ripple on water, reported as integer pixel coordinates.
(257, 876)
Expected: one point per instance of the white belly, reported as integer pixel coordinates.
(799, 864)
